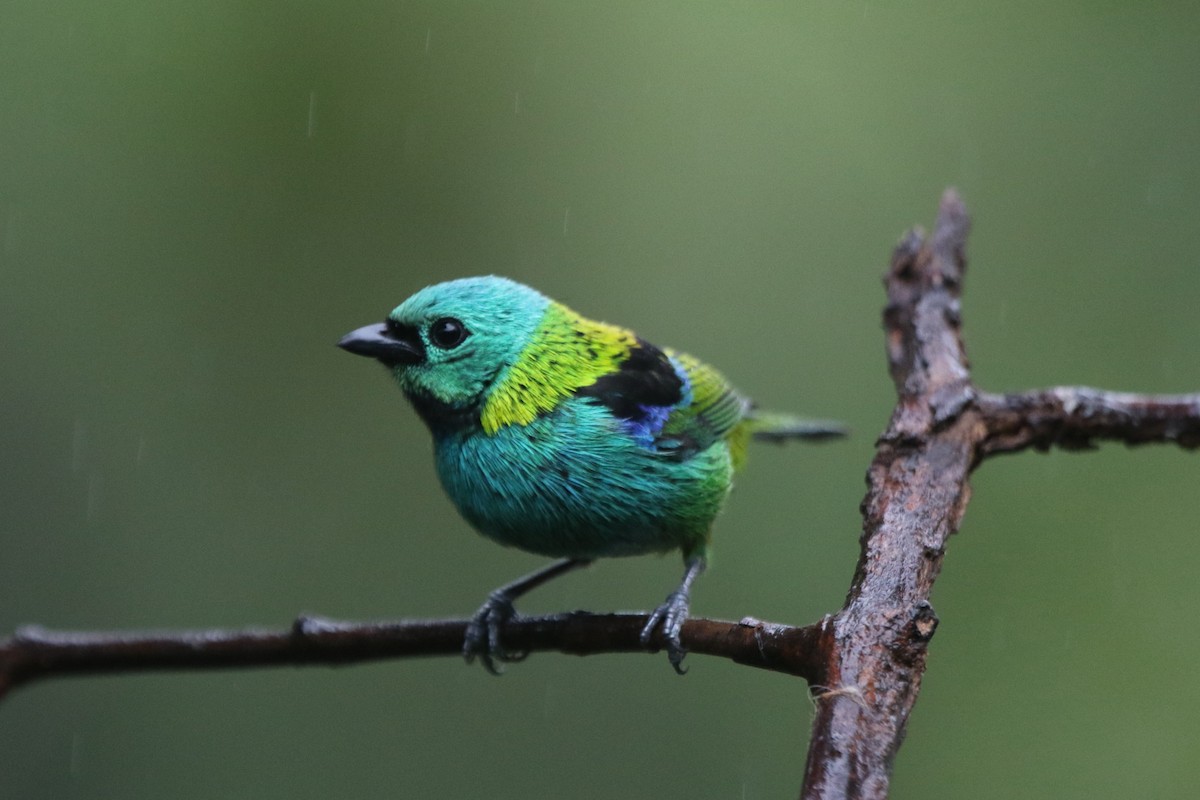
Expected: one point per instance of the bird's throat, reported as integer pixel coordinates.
(443, 417)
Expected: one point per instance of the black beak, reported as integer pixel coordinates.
(391, 346)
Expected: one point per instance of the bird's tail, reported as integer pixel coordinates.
(772, 426)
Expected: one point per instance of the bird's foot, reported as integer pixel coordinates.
(671, 615)
(483, 634)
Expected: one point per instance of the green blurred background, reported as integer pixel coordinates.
(197, 199)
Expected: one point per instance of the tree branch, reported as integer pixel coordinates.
(917, 493)
(35, 653)
(1072, 417)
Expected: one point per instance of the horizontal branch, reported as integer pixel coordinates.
(35, 653)
(1073, 417)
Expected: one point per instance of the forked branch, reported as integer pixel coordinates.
(918, 487)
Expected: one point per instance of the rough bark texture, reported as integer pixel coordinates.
(865, 662)
(917, 493)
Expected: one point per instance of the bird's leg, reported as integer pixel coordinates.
(674, 612)
(483, 631)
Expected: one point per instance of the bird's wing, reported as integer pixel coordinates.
(643, 391)
(712, 410)
(670, 402)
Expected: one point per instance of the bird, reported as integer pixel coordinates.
(569, 438)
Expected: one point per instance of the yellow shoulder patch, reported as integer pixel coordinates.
(565, 353)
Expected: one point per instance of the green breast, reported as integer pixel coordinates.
(572, 483)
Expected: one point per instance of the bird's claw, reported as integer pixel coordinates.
(671, 615)
(483, 634)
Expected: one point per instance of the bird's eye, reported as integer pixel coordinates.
(447, 333)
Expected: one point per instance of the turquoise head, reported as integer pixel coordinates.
(448, 344)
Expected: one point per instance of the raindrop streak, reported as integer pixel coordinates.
(517, 103)
(566, 219)
(428, 36)
(76, 747)
(312, 113)
(141, 451)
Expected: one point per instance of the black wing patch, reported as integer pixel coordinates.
(646, 381)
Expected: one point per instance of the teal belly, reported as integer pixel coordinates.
(574, 484)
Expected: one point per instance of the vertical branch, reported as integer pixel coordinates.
(917, 492)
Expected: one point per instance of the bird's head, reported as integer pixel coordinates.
(448, 343)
